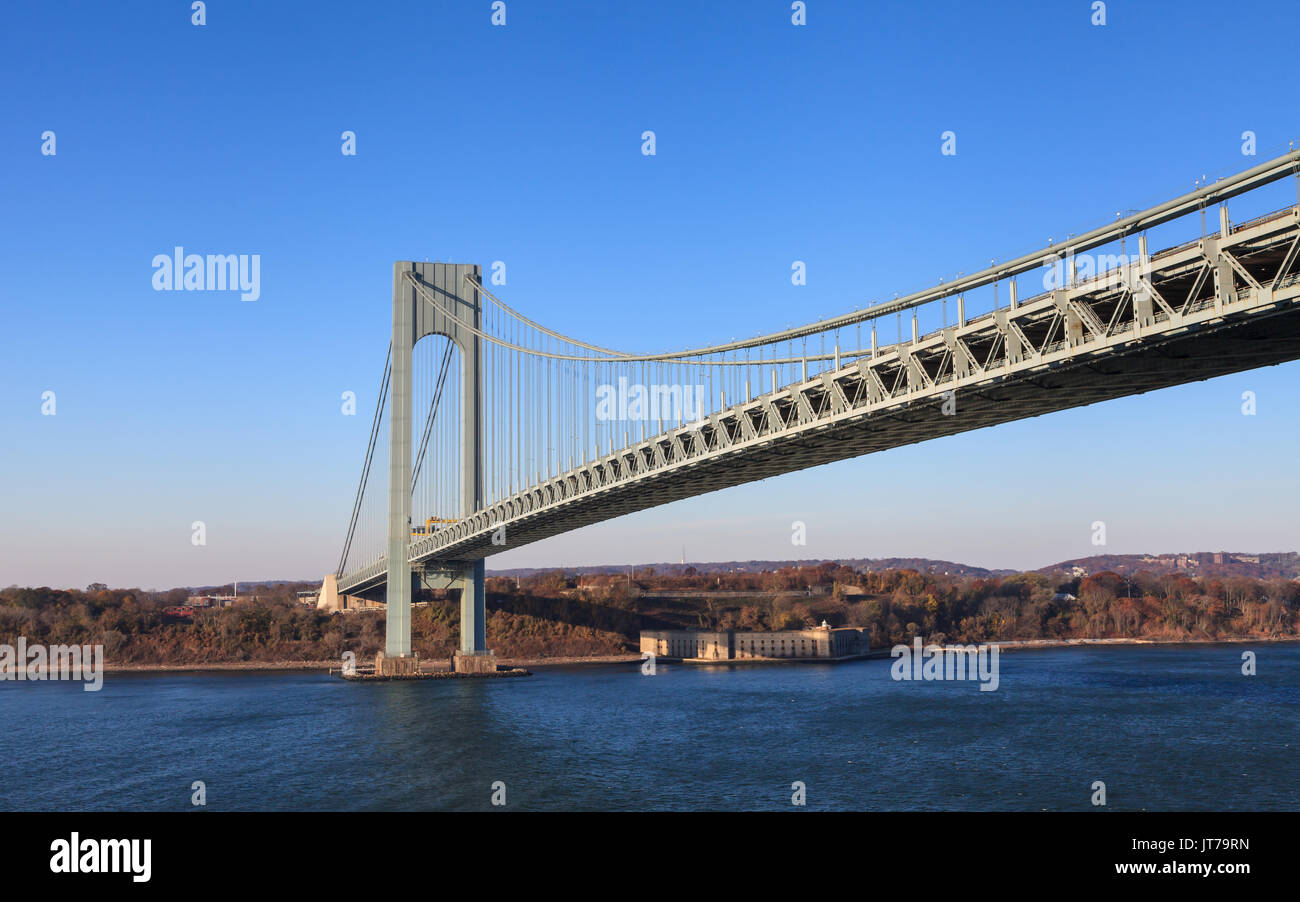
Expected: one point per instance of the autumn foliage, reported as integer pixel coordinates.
(552, 614)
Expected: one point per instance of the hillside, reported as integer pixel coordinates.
(1222, 564)
(559, 614)
(921, 565)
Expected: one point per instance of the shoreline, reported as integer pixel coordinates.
(312, 666)
(1037, 644)
(631, 658)
(1030, 644)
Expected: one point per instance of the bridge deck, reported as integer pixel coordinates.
(1206, 308)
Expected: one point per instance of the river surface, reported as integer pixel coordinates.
(1165, 728)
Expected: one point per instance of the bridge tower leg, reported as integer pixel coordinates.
(473, 625)
(456, 305)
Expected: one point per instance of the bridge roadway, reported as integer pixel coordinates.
(1222, 304)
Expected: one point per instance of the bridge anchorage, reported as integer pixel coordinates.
(515, 445)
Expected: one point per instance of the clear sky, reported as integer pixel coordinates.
(522, 143)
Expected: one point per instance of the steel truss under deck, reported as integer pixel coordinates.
(1221, 304)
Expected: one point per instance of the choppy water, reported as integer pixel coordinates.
(1165, 728)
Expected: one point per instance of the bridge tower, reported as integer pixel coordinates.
(458, 309)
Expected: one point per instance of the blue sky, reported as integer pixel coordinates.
(522, 144)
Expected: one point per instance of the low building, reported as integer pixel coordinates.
(699, 646)
(210, 601)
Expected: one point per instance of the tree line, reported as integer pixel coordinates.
(551, 614)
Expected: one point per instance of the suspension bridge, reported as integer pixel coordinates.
(499, 431)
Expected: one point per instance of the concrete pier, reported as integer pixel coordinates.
(397, 665)
(469, 662)
(409, 667)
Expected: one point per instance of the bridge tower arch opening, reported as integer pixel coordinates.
(454, 312)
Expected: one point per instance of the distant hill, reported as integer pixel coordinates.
(1253, 565)
(922, 565)
(250, 585)
(598, 611)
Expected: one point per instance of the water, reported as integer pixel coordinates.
(1164, 727)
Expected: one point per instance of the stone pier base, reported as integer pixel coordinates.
(407, 665)
(485, 662)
